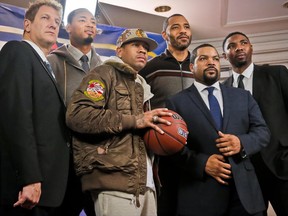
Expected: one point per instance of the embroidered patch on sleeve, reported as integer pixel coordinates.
(95, 90)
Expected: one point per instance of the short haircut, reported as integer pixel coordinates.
(230, 35)
(166, 21)
(73, 13)
(194, 52)
(34, 7)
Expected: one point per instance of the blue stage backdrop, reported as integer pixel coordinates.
(11, 28)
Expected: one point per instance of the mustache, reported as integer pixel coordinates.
(212, 68)
(183, 34)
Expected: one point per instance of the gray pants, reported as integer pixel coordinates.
(114, 203)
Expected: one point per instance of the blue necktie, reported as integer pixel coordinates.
(214, 108)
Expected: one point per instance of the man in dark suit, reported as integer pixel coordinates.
(34, 155)
(216, 175)
(269, 87)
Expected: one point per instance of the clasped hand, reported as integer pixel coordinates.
(216, 165)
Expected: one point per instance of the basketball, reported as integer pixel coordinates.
(172, 141)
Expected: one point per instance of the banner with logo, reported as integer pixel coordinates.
(11, 28)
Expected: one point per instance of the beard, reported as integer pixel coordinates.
(88, 40)
(210, 80)
(177, 45)
(239, 63)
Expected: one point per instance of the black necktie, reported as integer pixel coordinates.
(49, 68)
(85, 65)
(214, 108)
(240, 81)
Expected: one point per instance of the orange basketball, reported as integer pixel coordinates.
(172, 141)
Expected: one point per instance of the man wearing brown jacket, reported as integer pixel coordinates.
(107, 115)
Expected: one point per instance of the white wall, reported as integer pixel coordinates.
(268, 48)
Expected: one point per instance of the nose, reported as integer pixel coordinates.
(91, 24)
(211, 61)
(54, 23)
(143, 49)
(239, 47)
(183, 29)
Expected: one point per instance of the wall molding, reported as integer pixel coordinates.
(268, 48)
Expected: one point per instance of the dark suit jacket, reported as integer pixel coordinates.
(270, 90)
(198, 193)
(33, 135)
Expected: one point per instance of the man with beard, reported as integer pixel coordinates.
(68, 63)
(268, 85)
(216, 175)
(107, 114)
(169, 72)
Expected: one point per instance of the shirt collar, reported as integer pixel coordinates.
(200, 87)
(169, 55)
(76, 53)
(37, 49)
(246, 73)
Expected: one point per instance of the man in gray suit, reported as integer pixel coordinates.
(216, 175)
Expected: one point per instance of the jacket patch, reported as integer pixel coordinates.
(95, 90)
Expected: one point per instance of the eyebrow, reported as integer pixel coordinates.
(208, 56)
(85, 17)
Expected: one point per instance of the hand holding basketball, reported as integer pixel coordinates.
(150, 118)
(173, 139)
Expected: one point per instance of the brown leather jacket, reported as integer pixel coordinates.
(109, 154)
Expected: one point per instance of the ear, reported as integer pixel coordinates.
(27, 24)
(224, 56)
(191, 67)
(119, 52)
(68, 28)
(164, 35)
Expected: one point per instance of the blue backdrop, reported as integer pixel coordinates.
(11, 28)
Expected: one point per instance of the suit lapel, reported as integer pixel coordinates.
(229, 81)
(46, 70)
(257, 82)
(196, 98)
(226, 106)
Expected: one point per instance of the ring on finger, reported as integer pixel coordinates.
(155, 119)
